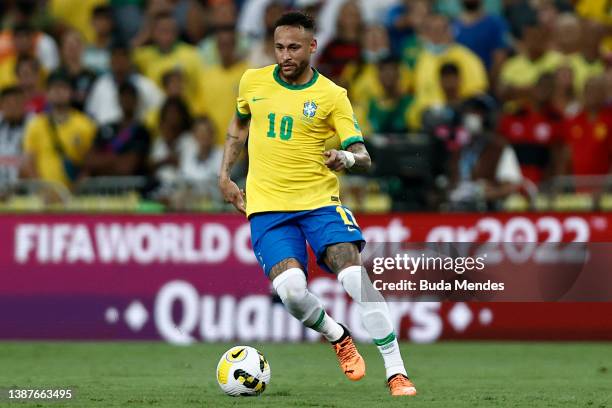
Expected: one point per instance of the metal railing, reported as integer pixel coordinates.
(135, 194)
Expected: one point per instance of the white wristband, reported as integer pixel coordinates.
(348, 159)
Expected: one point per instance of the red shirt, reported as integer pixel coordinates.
(37, 104)
(337, 55)
(532, 133)
(590, 142)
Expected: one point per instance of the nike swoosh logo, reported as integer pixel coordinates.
(258, 99)
(236, 354)
(351, 229)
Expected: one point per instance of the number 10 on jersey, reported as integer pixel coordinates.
(286, 126)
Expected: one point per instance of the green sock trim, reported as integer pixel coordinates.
(386, 340)
(319, 321)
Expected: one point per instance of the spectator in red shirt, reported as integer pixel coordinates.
(589, 134)
(346, 46)
(533, 130)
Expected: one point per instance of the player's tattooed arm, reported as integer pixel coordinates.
(362, 157)
(234, 143)
(355, 158)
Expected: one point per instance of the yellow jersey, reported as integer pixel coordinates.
(153, 63)
(520, 71)
(76, 13)
(428, 88)
(288, 130)
(219, 91)
(76, 135)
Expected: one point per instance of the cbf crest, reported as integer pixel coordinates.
(310, 109)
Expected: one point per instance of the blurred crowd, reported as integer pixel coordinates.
(493, 96)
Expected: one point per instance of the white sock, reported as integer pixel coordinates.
(329, 328)
(303, 305)
(375, 317)
(390, 352)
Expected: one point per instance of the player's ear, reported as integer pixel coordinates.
(313, 45)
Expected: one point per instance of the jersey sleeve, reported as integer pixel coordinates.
(344, 121)
(243, 110)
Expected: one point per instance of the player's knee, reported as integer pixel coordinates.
(340, 256)
(290, 286)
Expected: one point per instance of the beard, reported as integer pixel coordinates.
(297, 72)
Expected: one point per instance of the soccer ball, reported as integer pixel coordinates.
(244, 371)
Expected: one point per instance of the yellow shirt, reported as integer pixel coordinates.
(427, 87)
(522, 72)
(582, 70)
(287, 134)
(76, 135)
(219, 91)
(7, 72)
(600, 11)
(77, 14)
(365, 85)
(153, 63)
(427, 73)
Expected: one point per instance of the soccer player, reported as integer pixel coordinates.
(288, 110)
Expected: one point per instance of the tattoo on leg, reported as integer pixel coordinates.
(341, 256)
(282, 266)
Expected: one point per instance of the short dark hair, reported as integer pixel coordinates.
(180, 105)
(221, 28)
(296, 19)
(10, 91)
(204, 120)
(163, 15)
(449, 69)
(23, 28)
(120, 47)
(26, 59)
(390, 59)
(127, 87)
(102, 10)
(529, 20)
(59, 77)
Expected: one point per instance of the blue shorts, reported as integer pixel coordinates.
(276, 236)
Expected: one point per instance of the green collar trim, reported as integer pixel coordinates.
(242, 116)
(308, 84)
(351, 140)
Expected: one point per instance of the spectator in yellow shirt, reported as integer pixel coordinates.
(439, 49)
(570, 34)
(76, 14)
(23, 44)
(361, 78)
(220, 82)
(167, 53)
(56, 142)
(522, 71)
(598, 10)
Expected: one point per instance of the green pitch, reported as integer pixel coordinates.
(446, 374)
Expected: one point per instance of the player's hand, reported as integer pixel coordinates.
(335, 160)
(232, 194)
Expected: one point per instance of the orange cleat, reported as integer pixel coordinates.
(400, 385)
(350, 360)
